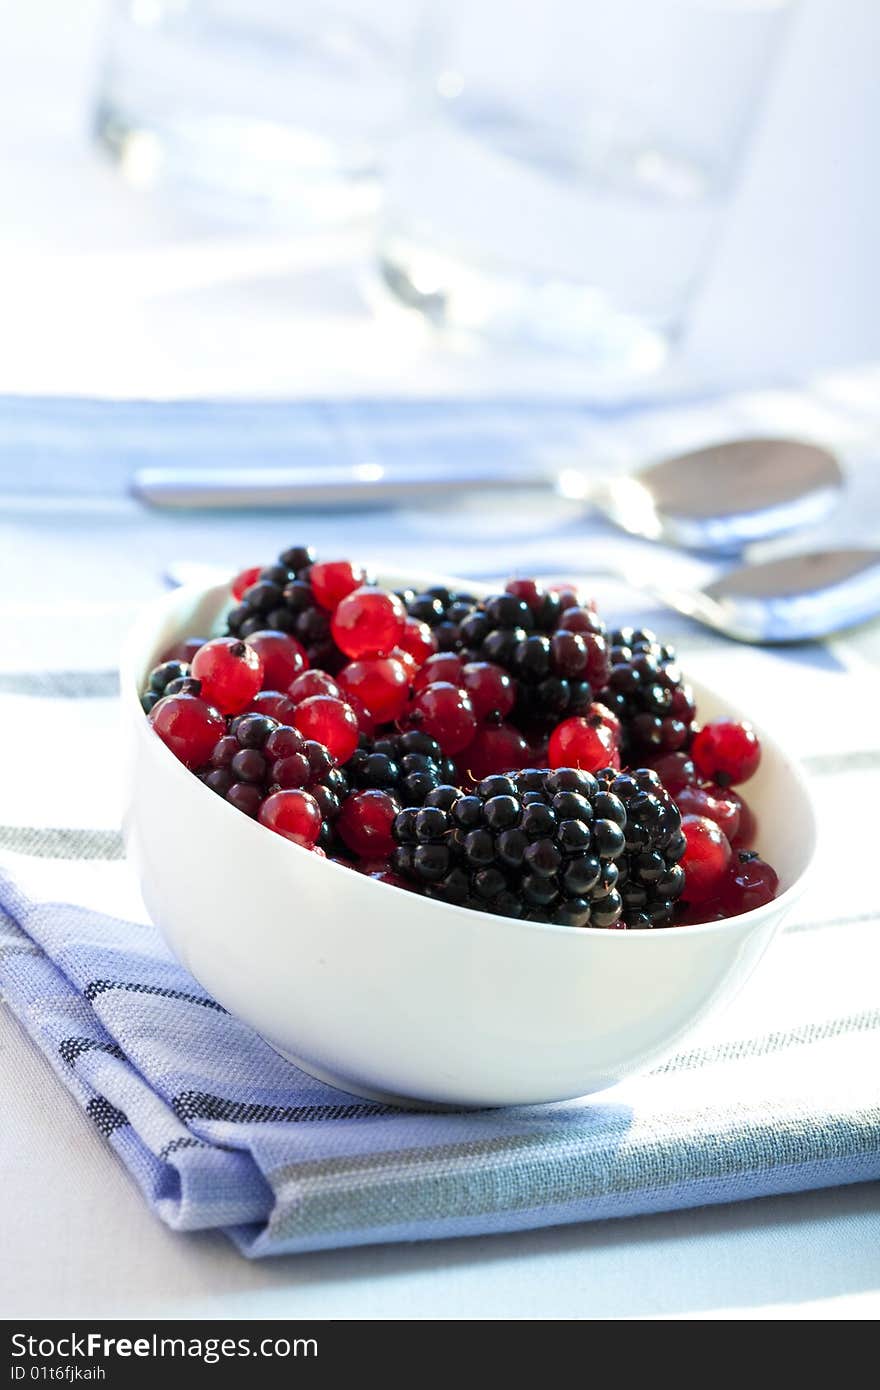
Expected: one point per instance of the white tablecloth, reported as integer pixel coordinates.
(108, 292)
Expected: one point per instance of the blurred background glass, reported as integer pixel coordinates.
(564, 170)
(275, 109)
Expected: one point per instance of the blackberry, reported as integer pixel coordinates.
(532, 844)
(648, 694)
(649, 876)
(283, 599)
(443, 610)
(409, 765)
(557, 656)
(259, 756)
(169, 678)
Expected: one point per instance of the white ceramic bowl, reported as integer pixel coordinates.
(391, 995)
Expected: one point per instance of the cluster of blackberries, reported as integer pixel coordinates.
(647, 692)
(170, 678)
(282, 599)
(649, 876)
(259, 756)
(535, 844)
(409, 765)
(443, 610)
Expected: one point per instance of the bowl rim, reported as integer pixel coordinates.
(148, 621)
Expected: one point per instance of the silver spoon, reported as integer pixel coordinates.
(720, 498)
(795, 599)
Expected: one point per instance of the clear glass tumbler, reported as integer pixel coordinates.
(264, 106)
(566, 165)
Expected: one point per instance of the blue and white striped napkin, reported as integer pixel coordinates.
(778, 1094)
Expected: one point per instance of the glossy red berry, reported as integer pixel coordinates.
(445, 712)
(333, 580)
(725, 751)
(749, 883)
(313, 683)
(676, 770)
(274, 704)
(587, 744)
(282, 656)
(490, 687)
(570, 596)
(189, 726)
(706, 859)
(293, 814)
(530, 591)
(417, 639)
(442, 666)
(244, 580)
(407, 661)
(185, 649)
(747, 833)
(368, 622)
(380, 683)
(602, 714)
(328, 721)
(365, 822)
(230, 671)
(713, 803)
(497, 748)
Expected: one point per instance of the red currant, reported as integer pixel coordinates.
(725, 751)
(676, 770)
(366, 722)
(189, 726)
(607, 717)
(230, 671)
(407, 661)
(446, 713)
(244, 580)
(313, 683)
(365, 822)
(497, 748)
(706, 859)
(332, 580)
(328, 721)
(282, 656)
(380, 683)
(184, 650)
(491, 689)
(587, 744)
(417, 639)
(274, 704)
(750, 883)
(368, 622)
(295, 815)
(442, 666)
(748, 821)
(712, 803)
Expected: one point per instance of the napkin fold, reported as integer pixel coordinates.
(219, 1131)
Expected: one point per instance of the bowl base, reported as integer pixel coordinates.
(341, 1083)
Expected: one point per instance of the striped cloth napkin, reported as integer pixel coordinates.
(778, 1094)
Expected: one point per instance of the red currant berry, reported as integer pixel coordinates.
(189, 726)
(332, 580)
(706, 859)
(293, 814)
(587, 744)
(328, 721)
(443, 666)
(676, 770)
(365, 822)
(446, 713)
(607, 717)
(491, 689)
(497, 748)
(712, 803)
(244, 580)
(750, 883)
(366, 722)
(185, 650)
(417, 639)
(368, 622)
(282, 656)
(230, 671)
(313, 683)
(748, 821)
(274, 704)
(383, 874)
(380, 683)
(725, 751)
(408, 662)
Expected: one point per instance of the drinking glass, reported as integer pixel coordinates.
(566, 166)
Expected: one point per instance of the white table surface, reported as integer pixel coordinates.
(108, 292)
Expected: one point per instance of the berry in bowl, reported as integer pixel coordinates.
(449, 847)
